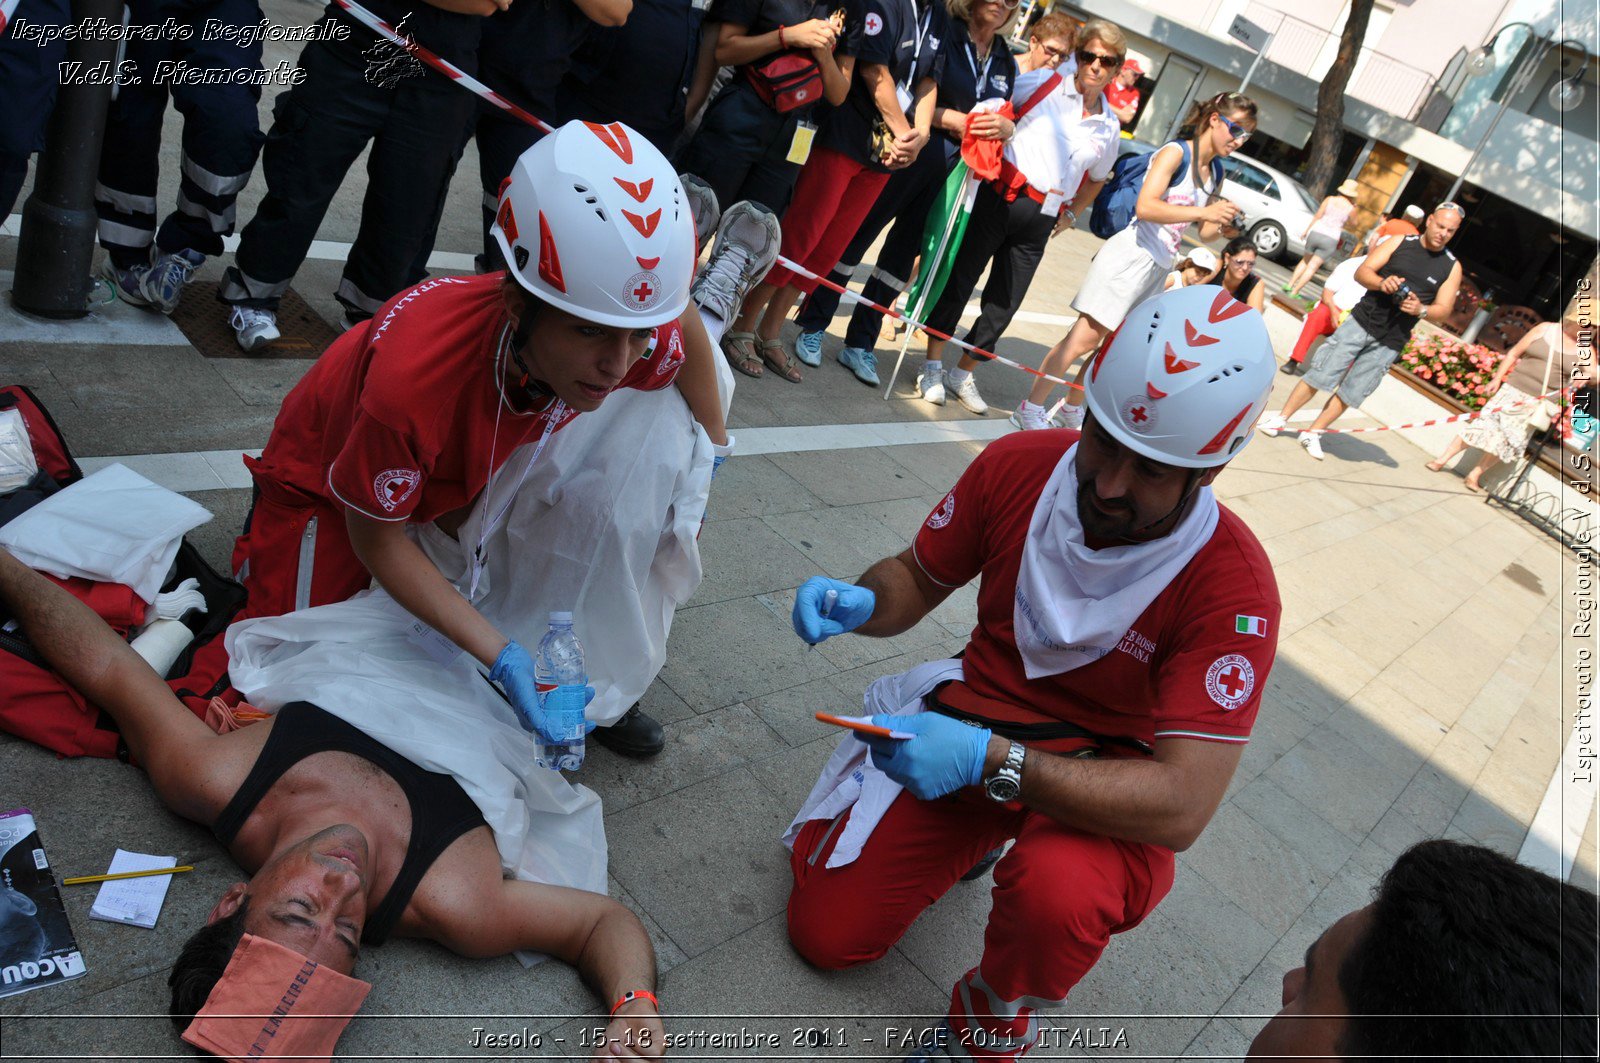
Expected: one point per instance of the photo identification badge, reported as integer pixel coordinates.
(1053, 202)
(800, 147)
(439, 649)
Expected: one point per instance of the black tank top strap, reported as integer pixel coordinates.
(440, 810)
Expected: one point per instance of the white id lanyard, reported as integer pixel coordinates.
(553, 415)
(923, 29)
(979, 75)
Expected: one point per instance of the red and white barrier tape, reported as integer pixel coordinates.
(479, 89)
(8, 10)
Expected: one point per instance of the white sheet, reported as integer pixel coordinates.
(114, 526)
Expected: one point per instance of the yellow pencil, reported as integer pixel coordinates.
(81, 879)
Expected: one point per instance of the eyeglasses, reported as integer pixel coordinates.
(1053, 51)
(1236, 131)
(1007, 4)
(1110, 62)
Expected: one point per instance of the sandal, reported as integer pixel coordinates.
(783, 365)
(1433, 466)
(1472, 485)
(740, 350)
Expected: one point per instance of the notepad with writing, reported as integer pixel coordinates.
(134, 901)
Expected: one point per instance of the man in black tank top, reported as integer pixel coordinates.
(1407, 279)
(346, 840)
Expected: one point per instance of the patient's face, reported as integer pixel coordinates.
(312, 897)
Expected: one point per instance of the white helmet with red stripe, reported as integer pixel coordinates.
(1185, 379)
(593, 220)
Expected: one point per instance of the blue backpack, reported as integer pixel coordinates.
(1113, 207)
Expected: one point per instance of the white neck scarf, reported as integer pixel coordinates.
(1074, 603)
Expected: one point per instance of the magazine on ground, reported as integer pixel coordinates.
(37, 947)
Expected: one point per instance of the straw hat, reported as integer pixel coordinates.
(1349, 188)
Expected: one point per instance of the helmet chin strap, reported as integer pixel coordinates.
(519, 339)
(1189, 489)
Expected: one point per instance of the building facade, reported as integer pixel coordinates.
(1419, 114)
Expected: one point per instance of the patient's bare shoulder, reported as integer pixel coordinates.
(462, 884)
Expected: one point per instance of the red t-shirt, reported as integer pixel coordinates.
(1192, 665)
(401, 420)
(1120, 97)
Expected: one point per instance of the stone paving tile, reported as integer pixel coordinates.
(1278, 728)
(848, 477)
(1338, 780)
(705, 860)
(733, 651)
(1232, 937)
(1390, 726)
(1324, 847)
(939, 465)
(840, 542)
(698, 749)
(792, 712)
(1260, 871)
(789, 775)
(745, 556)
(753, 486)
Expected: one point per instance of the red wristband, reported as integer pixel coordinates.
(781, 43)
(635, 994)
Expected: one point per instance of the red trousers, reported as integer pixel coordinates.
(831, 200)
(295, 553)
(1320, 322)
(1059, 894)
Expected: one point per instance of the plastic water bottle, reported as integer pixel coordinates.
(559, 675)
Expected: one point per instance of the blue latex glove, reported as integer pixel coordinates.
(513, 670)
(945, 755)
(853, 608)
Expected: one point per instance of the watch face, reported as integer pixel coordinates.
(1002, 788)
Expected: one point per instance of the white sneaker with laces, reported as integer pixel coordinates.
(930, 384)
(967, 395)
(703, 207)
(1312, 441)
(1271, 424)
(747, 245)
(253, 328)
(1030, 418)
(1071, 416)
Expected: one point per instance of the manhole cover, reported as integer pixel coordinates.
(205, 322)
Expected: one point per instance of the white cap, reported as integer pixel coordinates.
(1414, 213)
(1202, 257)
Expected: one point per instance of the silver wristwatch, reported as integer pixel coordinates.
(1006, 783)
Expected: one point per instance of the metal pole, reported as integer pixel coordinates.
(1519, 80)
(1248, 74)
(55, 249)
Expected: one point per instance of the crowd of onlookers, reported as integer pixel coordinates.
(844, 119)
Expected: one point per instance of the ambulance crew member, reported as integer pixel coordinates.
(1126, 626)
(408, 418)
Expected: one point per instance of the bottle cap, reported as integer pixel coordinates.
(558, 617)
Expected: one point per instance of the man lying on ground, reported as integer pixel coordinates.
(346, 842)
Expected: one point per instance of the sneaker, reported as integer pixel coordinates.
(163, 285)
(128, 284)
(808, 346)
(930, 384)
(1030, 418)
(253, 328)
(1291, 368)
(967, 395)
(1312, 441)
(703, 207)
(746, 246)
(1071, 416)
(862, 362)
(1271, 424)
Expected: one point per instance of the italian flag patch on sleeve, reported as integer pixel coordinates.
(1250, 625)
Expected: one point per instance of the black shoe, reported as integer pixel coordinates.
(1290, 368)
(982, 867)
(635, 735)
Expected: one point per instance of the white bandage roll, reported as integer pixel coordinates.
(161, 643)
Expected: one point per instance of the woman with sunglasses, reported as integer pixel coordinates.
(1239, 276)
(1133, 265)
(1052, 167)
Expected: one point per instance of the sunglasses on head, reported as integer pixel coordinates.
(1007, 4)
(1110, 62)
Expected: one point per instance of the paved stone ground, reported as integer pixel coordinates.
(1423, 688)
